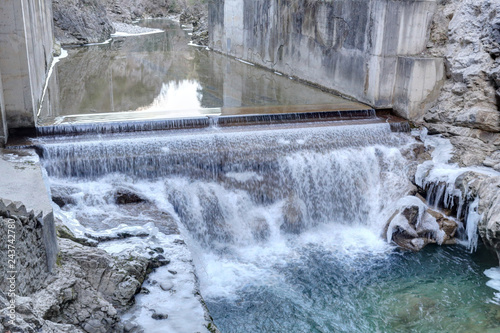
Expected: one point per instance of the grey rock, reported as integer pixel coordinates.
(131, 10)
(467, 109)
(80, 21)
(413, 230)
(159, 316)
(293, 216)
(31, 251)
(90, 21)
(196, 14)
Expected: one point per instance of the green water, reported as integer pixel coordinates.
(441, 289)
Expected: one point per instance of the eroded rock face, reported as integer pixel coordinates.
(130, 10)
(90, 21)
(89, 288)
(197, 15)
(467, 34)
(85, 294)
(467, 110)
(81, 21)
(487, 188)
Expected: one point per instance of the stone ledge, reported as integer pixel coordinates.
(25, 196)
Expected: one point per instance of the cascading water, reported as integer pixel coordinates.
(285, 224)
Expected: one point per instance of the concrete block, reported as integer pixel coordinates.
(3, 122)
(418, 82)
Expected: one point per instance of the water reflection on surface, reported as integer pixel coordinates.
(161, 72)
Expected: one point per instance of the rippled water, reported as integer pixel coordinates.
(441, 289)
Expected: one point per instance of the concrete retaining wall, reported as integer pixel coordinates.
(3, 123)
(26, 42)
(25, 204)
(368, 49)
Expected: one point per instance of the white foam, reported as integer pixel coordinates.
(244, 176)
(195, 45)
(259, 264)
(102, 43)
(342, 194)
(245, 62)
(494, 283)
(127, 34)
(63, 55)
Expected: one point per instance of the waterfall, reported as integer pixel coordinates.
(200, 153)
(224, 185)
(247, 202)
(284, 224)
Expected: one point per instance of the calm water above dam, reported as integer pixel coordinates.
(160, 75)
(285, 223)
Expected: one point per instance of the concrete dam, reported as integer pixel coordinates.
(276, 180)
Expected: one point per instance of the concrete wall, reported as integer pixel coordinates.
(25, 203)
(3, 123)
(368, 49)
(26, 42)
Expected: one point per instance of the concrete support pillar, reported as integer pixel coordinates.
(26, 42)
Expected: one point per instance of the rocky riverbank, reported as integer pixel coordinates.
(91, 290)
(79, 22)
(466, 34)
(86, 281)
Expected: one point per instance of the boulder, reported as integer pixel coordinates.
(260, 229)
(412, 229)
(293, 215)
(81, 21)
(446, 224)
(124, 197)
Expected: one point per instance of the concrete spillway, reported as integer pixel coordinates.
(155, 121)
(278, 218)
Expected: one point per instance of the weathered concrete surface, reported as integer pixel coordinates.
(415, 89)
(26, 43)
(363, 48)
(21, 181)
(4, 134)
